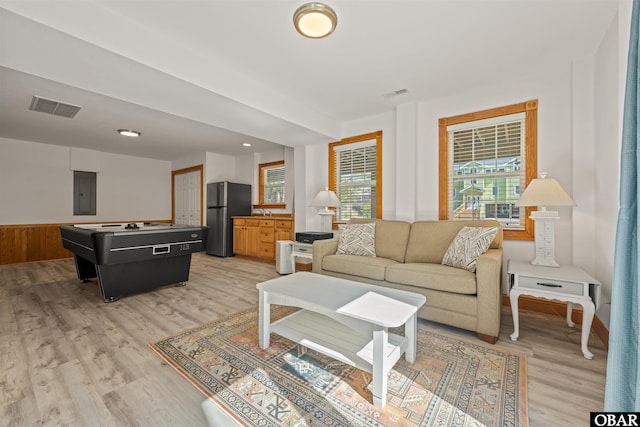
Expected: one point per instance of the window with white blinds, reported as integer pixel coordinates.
(274, 184)
(355, 176)
(487, 158)
(487, 169)
(486, 172)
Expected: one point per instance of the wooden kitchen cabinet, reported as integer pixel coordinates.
(267, 239)
(284, 230)
(245, 236)
(257, 237)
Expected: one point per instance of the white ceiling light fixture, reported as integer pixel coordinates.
(129, 133)
(315, 20)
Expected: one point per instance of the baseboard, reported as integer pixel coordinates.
(559, 309)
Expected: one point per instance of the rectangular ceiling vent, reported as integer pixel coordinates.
(54, 107)
(395, 93)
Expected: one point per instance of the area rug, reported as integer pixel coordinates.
(454, 382)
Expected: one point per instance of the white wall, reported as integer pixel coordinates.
(407, 116)
(566, 150)
(387, 124)
(553, 91)
(311, 176)
(283, 153)
(220, 167)
(610, 63)
(189, 161)
(36, 186)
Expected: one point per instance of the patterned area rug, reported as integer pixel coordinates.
(453, 382)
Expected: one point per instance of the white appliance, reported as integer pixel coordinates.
(283, 257)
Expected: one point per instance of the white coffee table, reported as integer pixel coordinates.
(345, 320)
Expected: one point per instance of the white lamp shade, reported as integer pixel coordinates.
(544, 192)
(325, 199)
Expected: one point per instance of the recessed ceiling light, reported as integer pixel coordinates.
(246, 144)
(129, 132)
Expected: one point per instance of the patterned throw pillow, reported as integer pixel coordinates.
(358, 239)
(469, 244)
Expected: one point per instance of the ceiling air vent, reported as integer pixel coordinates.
(395, 93)
(54, 107)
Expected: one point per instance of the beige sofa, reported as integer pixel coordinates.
(409, 257)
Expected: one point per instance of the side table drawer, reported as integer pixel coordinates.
(549, 285)
(298, 249)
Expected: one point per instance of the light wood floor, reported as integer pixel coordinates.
(67, 358)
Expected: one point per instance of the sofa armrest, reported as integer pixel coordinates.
(489, 290)
(322, 248)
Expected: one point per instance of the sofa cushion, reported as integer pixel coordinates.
(369, 267)
(391, 237)
(433, 276)
(358, 239)
(467, 246)
(429, 240)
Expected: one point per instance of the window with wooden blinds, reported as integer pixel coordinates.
(488, 158)
(355, 176)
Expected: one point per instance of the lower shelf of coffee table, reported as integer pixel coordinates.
(325, 335)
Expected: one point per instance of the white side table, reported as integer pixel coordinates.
(567, 283)
(300, 250)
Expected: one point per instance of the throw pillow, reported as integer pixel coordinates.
(468, 245)
(358, 239)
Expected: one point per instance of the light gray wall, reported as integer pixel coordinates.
(36, 186)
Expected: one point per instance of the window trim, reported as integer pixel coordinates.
(530, 108)
(261, 203)
(332, 169)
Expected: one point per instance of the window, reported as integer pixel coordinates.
(501, 145)
(355, 174)
(84, 193)
(271, 186)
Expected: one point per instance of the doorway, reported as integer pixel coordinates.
(187, 191)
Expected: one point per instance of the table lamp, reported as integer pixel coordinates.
(544, 192)
(326, 199)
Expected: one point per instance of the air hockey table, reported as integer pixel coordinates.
(135, 257)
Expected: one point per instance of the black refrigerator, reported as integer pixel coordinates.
(224, 200)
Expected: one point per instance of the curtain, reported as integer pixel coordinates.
(621, 393)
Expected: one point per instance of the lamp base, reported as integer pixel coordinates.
(545, 238)
(544, 262)
(325, 216)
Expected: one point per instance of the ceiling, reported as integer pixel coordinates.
(196, 76)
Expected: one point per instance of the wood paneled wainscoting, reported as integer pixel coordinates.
(31, 242)
(36, 242)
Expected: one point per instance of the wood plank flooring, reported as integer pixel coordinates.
(67, 358)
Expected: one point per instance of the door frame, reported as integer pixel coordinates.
(198, 168)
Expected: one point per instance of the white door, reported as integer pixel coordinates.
(188, 204)
(194, 202)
